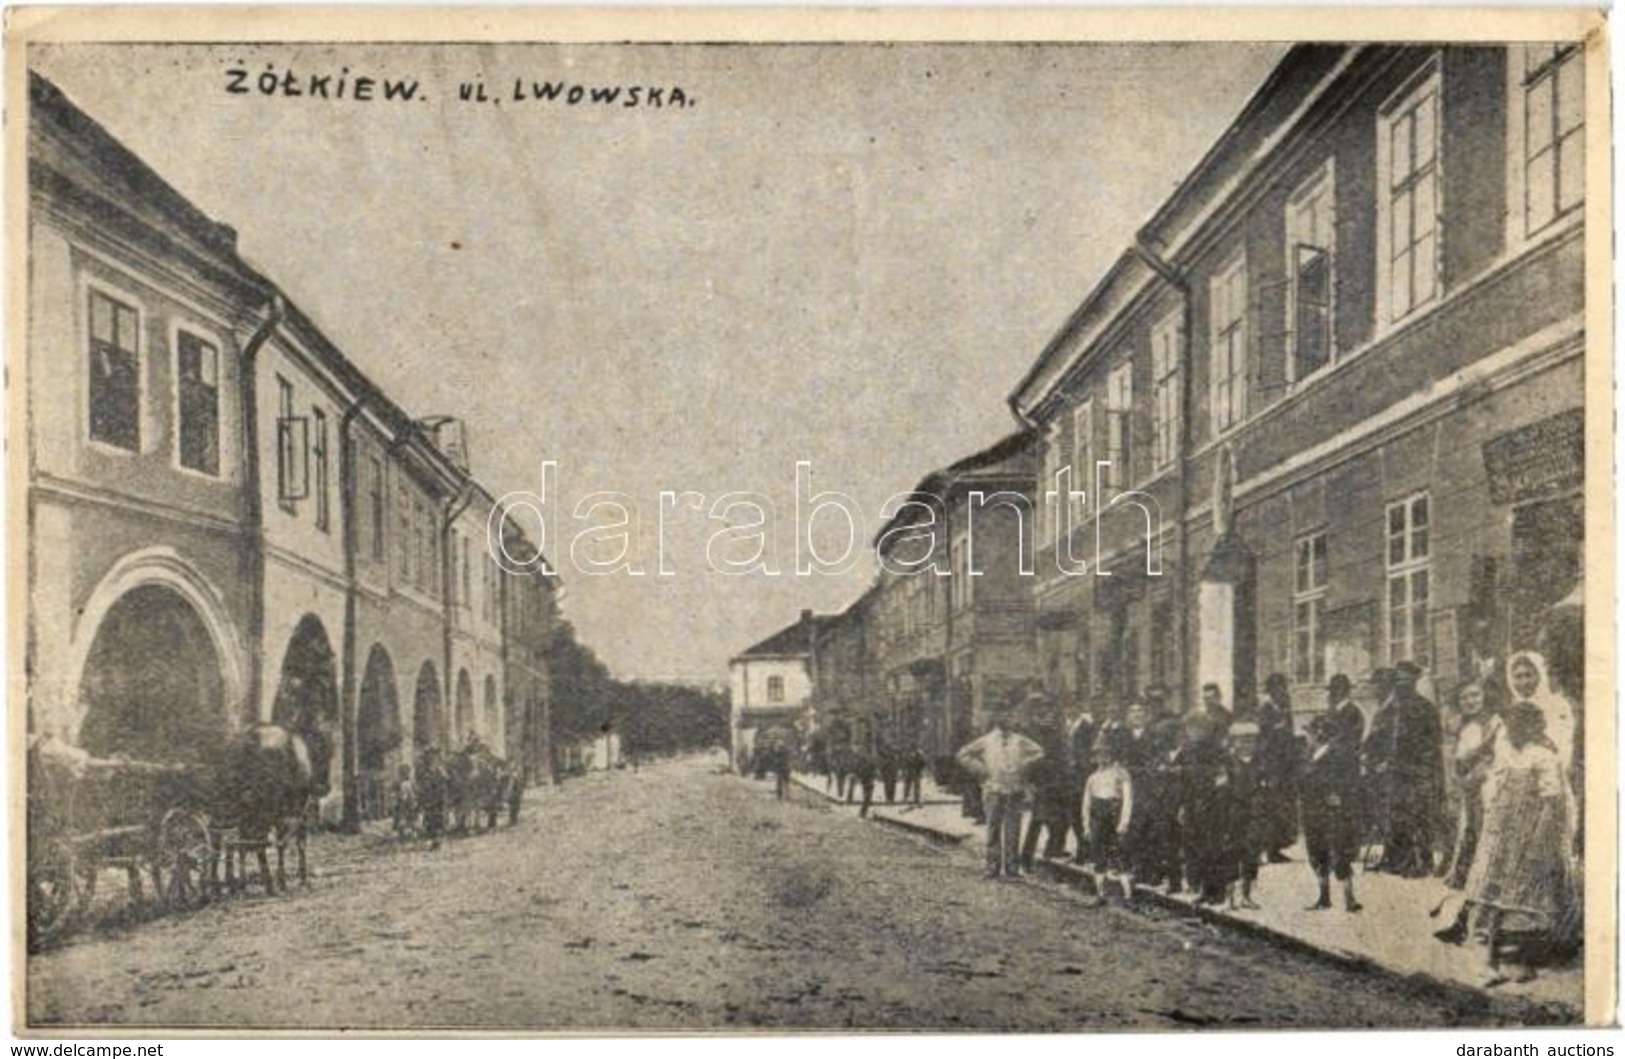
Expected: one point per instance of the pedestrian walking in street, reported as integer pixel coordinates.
(781, 771)
(1404, 759)
(516, 790)
(1214, 709)
(999, 761)
(1520, 882)
(841, 764)
(1478, 728)
(1278, 767)
(1159, 842)
(864, 771)
(1108, 814)
(890, 766)
(1329, 785)
(1528, 680)
(1248, 820)
(405, 813)
(1054, 785)
(432, 795)
(1138, 751)
(1082, 731)
(1205, 808)
(914, 763)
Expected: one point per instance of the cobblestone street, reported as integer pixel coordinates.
(683, 897)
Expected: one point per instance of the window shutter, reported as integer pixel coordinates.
(293, 457)
(1271, 327)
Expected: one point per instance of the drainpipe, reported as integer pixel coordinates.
(454, 509)
(1180, 282)
(505, 700)
(253, 518)
(348, 717)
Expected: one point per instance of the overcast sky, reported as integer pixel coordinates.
(840, 254)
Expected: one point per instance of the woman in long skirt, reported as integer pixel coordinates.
(1520, 881)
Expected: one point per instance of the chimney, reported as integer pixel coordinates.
(806, 615)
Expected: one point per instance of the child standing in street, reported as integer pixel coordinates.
(1248, 819)
(1108, 812)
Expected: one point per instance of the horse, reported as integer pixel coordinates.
(265, 791)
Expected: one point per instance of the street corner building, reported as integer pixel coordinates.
(230, 523)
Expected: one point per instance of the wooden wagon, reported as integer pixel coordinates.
(87, 816)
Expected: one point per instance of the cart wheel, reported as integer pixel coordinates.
(183, 857)
(53, 891)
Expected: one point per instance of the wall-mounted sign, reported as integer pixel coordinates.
(1537, 460)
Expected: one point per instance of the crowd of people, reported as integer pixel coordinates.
(1483, 794)
(455, 793)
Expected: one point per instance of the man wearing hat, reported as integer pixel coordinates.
(999, 761)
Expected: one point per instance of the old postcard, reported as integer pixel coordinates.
(543, 522)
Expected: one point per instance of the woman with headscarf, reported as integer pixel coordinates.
(1520, 880)
(1528, 681)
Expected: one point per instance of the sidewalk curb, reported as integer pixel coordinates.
(1539, 1011)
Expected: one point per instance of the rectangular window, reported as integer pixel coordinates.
(318, 452)
(1410, 180)
(1408, 553)
(428, 559)
(292, 449)
(115, 373)
(468, 578)
(1050, 507)
(1554, 133)
(1229, 368)
(1165, 354)
(1119, 427)
(377, 508)
(197, 404)
(961, 574)
(775, 689)
(1083, 458)
(1308, 595)
(404, 538)
(1311, 247)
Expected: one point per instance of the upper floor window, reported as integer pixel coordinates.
(1229, 325)
(292, 449)
(197, 404)
(775, 689)
(1050, 502)
(404, 538)
(1553, 156)
(319, 457)
(375, 498)
(115, 373)
(1408, 171)
(1083, 460)
(1119, 426)
(467, 576)
(1165, 353)
(1311, 244)
(964, 588)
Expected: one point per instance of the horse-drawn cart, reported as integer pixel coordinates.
(89, 815)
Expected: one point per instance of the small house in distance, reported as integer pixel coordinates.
(770, 686)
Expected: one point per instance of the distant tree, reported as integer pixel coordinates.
(651, 717)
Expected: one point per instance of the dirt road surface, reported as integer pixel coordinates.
(680, 897)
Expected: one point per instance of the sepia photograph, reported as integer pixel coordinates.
(536, 523)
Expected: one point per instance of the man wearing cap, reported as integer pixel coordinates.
(999, 761)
